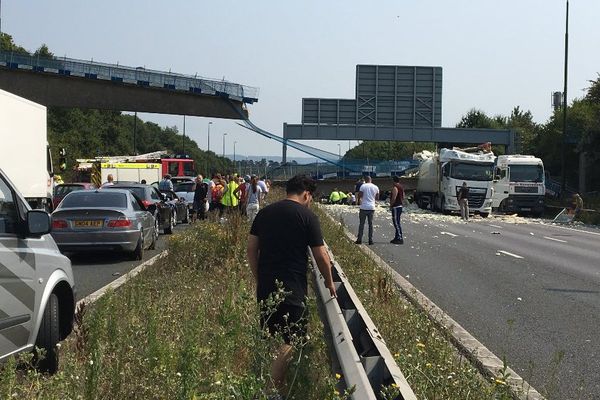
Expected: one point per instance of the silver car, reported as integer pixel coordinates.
(89, 220)
(37, 299)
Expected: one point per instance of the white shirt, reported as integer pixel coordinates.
(369, 191)
(263, 186)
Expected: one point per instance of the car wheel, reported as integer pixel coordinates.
(169, 229)
(154, 235)
(48, 336)
(138, 253)
(484, 215)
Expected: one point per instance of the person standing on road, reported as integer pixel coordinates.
(277, 253)
(200, 194)
(463, 201)
(109, 181)
(396, 200)
(367, 194)
(165, 183)
(253, 195)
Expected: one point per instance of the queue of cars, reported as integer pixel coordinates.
(125, 217)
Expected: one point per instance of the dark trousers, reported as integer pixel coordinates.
(396, 213)
(368, 215)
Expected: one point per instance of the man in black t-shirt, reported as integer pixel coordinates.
(200, 194)
(277, 252)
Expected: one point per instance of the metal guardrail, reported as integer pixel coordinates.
(366, 363)
(139, 76)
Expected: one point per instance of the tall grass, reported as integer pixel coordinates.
(186, 328)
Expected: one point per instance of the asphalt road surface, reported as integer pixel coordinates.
(527, 289)
(95, 270)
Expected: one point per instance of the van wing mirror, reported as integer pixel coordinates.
(38, 223)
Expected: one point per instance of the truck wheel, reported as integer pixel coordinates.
(169, 229)
(138, 253)
(48, 336)
(443, 206)
(484, 215)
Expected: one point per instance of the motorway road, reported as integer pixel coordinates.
(95, 270)
(527, 289)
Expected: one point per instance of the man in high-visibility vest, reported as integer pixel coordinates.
(230, 199)
(334, 197)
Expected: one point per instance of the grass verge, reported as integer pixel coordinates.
(428, 360)
(185, 328)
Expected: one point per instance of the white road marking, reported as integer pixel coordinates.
(556, 240)
(509, 254)
(449, 234)
(496, 226)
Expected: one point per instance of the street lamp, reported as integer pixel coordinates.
(183, 139)
(234, 142)
(224, 144)
(208, 146)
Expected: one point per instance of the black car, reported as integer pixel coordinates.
(150, 195)
(179, 206)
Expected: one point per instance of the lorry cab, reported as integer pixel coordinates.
(36, 281)
(519, 184)
(441, 176)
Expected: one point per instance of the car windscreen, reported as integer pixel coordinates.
(102, 199)
(138, 191)
(526, 173)
(63, 190)
(184, 187)
(472, 171)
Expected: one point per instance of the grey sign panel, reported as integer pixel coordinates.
(386, 96)
(329, 111)
(392, 95)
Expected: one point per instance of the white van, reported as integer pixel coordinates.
(37, 299)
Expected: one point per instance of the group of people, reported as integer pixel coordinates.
(228, 194)
(367, 193)
(340, 197)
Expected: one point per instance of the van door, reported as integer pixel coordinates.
(17, 272)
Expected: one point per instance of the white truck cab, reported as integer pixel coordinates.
(441, 176)
(37, 300)
(519, 185)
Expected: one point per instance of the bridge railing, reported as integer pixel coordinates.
(132, 75)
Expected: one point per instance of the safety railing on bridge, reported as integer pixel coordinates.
(367, 366)
(138, 76)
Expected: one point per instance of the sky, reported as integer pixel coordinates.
(495, 55)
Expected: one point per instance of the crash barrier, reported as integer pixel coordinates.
(365, 361)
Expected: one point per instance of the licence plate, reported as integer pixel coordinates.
(526, 209)
(98, 223)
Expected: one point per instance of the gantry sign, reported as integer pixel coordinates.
(392, 102)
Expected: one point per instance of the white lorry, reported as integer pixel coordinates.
(519, 185)
(441, 176)
(24, 152)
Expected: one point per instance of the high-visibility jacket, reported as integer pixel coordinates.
(334, 197)
(342, 195)
(229, 199)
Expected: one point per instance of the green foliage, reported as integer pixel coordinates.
(92, 133)
(7, 44)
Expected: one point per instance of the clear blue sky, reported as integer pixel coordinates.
(494, 54)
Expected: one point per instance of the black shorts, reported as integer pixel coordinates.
(288, 321)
